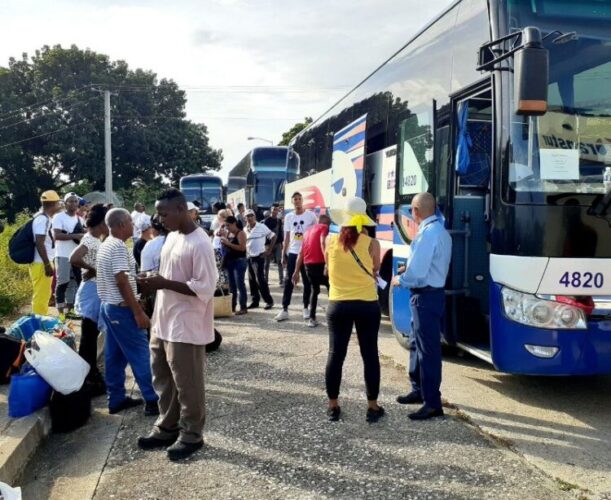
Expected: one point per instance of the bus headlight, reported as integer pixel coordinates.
(531, 310)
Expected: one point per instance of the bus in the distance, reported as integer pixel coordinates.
(514, 144)
(263, 173)
(205, 190)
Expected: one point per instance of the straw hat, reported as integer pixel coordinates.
(354, 214)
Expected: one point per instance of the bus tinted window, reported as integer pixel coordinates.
(269, 157)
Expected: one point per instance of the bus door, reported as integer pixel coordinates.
(415, 173)
(471, 167)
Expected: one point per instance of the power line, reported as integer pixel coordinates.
(50, 113)
(43, 103)
(48, 133)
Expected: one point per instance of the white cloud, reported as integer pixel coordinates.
(297, 58)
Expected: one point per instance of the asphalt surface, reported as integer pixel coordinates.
(267, 437)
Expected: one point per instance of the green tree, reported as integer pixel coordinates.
(52, 127)
(294, 130)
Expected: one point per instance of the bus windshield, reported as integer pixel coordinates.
(269, 157)
(565, 151)
(268, 187)
(205, 191)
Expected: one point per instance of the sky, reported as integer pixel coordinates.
(250, 68)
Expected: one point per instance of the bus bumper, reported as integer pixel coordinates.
(580, 352)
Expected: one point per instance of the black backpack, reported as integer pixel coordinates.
(22, 247)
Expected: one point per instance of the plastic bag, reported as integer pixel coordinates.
(28, 393)
(8, 493)
(59, 365)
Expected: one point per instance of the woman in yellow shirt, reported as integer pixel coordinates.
(353, 261)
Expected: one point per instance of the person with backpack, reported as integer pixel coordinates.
(41, 266)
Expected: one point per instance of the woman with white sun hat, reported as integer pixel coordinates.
(353, 261)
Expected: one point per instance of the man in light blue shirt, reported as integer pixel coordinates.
(425, 276)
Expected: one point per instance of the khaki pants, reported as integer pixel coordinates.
(178, 378)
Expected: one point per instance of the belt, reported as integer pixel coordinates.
(425, 289)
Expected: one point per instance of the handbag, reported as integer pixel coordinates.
(361, 265)
(222, 304)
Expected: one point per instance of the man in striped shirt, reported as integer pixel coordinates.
(123, 318)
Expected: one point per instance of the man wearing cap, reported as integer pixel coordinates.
(257, 234)
(425, 275)
(41, 269)
(67, 232)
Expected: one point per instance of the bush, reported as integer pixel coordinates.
(15, 287)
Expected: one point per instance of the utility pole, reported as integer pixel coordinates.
(107, 148)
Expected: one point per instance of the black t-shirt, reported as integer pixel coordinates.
(275, 225)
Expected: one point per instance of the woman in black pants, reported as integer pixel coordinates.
(353, 260)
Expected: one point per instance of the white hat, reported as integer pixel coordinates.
(354, 213)
(70, 195)
(191, 206)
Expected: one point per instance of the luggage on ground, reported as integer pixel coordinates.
(28, 393)
(69, 412)
(11, 356)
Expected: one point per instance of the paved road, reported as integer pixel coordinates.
(267, 437)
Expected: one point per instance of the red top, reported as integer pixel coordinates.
(312, 251)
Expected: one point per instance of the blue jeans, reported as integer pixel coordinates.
(125, 343)
(425, 346)
(236, 269)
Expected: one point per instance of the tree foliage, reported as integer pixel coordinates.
(52, 127)
(294, 130)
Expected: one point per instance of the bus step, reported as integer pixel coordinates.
(481, 352)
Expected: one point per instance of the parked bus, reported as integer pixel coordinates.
(263, 173)
(517, 170)
(205, 190)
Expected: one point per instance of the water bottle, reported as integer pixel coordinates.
(607, 179)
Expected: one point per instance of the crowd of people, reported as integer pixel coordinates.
(155, 302)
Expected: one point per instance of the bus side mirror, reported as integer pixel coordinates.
(531, 74)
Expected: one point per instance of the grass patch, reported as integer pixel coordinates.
(565, 486)
(15, 287)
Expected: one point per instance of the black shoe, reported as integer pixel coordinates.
(425, 413)
(373, 416)
(334, 413)
(253, 305)
(152, 442)
(151, 409)
(413, 398)
(125, 404)
(268, 306)
(180, 450)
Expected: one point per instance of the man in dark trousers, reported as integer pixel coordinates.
(425, 275)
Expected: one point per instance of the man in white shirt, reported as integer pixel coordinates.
(295, 225)
(139, 218)
(257, 235)
(41, 269)
(67, 232)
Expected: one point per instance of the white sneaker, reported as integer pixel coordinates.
(306, 313)
(282, 315)
(312, 323)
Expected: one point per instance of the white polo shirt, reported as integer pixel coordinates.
(256, 238)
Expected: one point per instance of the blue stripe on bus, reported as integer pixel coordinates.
(346, 130)
(348, 144)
